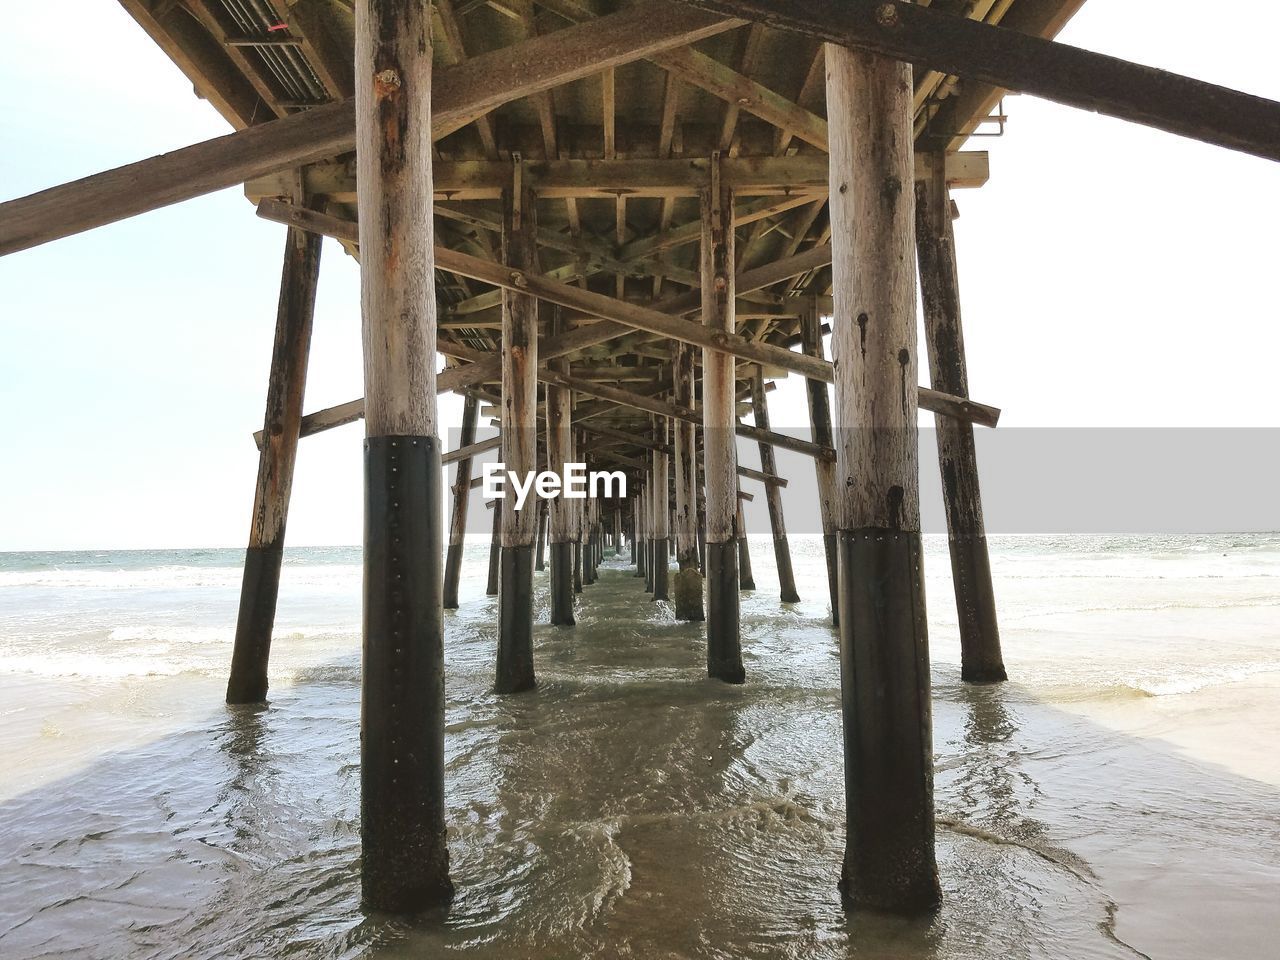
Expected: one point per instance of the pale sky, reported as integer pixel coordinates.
(1111, 276)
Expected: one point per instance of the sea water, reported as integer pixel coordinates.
(1119, 797)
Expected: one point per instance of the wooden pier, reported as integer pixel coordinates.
(620, 223)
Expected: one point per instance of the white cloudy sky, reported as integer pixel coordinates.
(1111, 275)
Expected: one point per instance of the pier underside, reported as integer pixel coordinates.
(620, 224)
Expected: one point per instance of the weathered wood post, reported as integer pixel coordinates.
(585, 567)
(640, 546)
(495, 551)
(980, 656)
(540, 553)
(650, 554)
(773, 494)
(688, 586)
(820, 424)
(579, 521)
(884, 649)
(617, 528)
(746, 578)
(724, 648)
(461, 500)
(661, 515)
(702, 540)
(559, 413)
(589, 542)
(519, 439)
(260, 587)
(405, 860)
(585, 530)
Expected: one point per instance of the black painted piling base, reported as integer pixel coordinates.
(577, 566)
(746, 579)
(786, 576)
(452, 574)
(562, 584)
(687, 590)
(650, 565)
(642, 558)
(724, 645)
(260, 587)
(405, 860)
(981, 660)
(661, 569)
(515, 620)
(495, 550)
(889, 862)
(830, 548)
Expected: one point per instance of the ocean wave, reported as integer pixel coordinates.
(87, 666)
(1134, 687)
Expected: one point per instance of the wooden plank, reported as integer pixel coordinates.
(788, 181)
(636, 317)
(1045, 68)
(772, 480)
(711, 75)
(462, 93)
(642, 318)
(212, 74)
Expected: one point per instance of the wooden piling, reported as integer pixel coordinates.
(260, 586)
(981, 660)
(586, 529)
(641, 535)
(519, 440)
(820, 424)
(495, 552)
(650, 558)
(746, 577)
(688, 588)
(559, 414)
(661, 514)
(773, 495)
(405, 859)
(461, 500)
(889, 859)
(540, 552)
(724, 648)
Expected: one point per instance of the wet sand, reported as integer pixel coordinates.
(631, 808)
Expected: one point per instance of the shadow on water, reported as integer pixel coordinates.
(627, 807)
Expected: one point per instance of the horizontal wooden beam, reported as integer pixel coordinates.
(587, 335)
(675, 328)
(460, 94)
(471, 450)
(622, 314)
(803, 174)
(768, 479)
(1005, 58)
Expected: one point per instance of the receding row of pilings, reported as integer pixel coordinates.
(867, 471)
